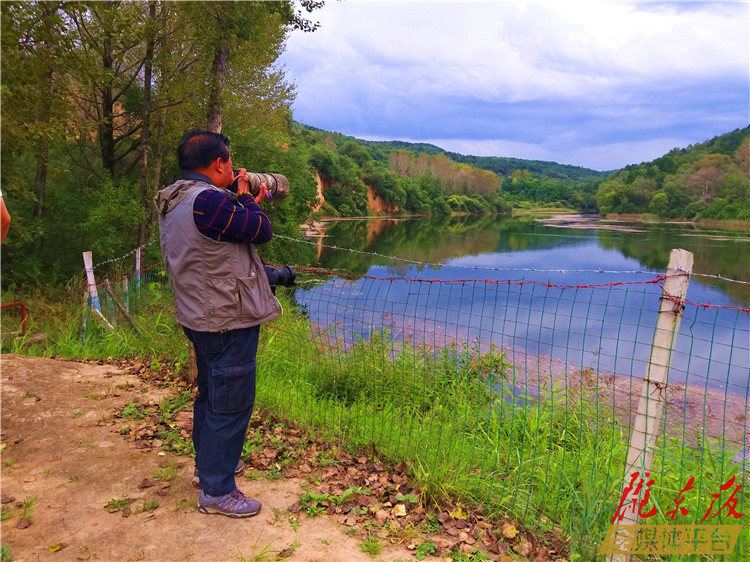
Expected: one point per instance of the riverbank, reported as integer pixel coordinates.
(615, 222)
(692, 410)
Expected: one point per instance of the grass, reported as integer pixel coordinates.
(6, 555)
(554, 463)
(167, 473)
(149, 505)
(121, 504)
(371, 546)
(27, 507)
(452, 417)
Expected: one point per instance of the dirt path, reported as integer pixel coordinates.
(61, 445)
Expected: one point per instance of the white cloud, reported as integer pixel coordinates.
(464, 62)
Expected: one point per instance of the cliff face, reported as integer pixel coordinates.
(377, 204)
(375, 201)
(321, 199)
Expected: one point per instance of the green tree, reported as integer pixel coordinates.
(659, 204)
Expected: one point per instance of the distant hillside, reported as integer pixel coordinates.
(502, 166)
(506, 166)
(710, 180)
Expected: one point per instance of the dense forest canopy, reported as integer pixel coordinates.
(710, 180)
(95, 99)
(97, 95)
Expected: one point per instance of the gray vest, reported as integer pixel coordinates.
(217, 286)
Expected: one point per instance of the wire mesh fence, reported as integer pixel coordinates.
(516, 394)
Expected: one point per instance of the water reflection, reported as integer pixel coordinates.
(543, 290)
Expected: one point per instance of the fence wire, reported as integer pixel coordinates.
(516, 394)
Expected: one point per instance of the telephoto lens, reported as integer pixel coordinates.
(283, 276)
(276, 184)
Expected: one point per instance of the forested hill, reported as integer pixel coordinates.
(710, 180)
(502, 166)
(506, 166)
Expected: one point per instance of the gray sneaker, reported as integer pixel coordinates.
(238, 471)
(234, 504)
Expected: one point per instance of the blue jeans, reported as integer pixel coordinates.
(224, 404)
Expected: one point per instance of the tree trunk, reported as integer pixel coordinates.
(146, 130)
(42, 164)
(158, 158)
(218, 82)
(107, 125)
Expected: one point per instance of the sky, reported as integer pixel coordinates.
(591, 83)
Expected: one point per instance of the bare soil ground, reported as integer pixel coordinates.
(67, 454)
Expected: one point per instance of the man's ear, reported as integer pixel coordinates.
(220, 165)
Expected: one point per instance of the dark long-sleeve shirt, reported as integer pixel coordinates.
(220, 218)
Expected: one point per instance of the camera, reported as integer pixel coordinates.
(283, 276)
(276, 184)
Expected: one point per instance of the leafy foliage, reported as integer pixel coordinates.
(710, 180)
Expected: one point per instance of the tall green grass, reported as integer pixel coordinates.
(457, 417)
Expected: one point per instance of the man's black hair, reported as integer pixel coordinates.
(199, 148)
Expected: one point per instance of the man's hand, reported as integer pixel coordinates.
(262, 194)
(243, 184)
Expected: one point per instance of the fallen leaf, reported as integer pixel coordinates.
(399, 510)
(458, 513)
(509, 531)
(57, 546)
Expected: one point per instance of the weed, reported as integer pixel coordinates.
(5, 553)
(265, 554)
(149, 505)
(168, 407)
(118, 505)
(273, 474)
(30, 394)
(325, 542)
(326, 458)
(432, 523)
(79, 414)
(184, 503)
(175, 443)
(279, 514)
(294, 523)
(6, 513)
(315, 504)
(425, 549)
(77, 478)
(407, 498)
(371, 546)
(27, 507)
(9, 462)
(167, 473)
(134, 411)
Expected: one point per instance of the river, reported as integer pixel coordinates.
(573, 289)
